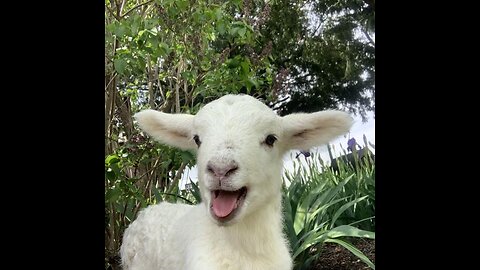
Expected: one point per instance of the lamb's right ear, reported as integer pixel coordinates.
(306, 130)
(171, 129)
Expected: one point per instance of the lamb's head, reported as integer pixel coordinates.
(240, 143)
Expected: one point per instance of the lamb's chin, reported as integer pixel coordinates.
(227, 221)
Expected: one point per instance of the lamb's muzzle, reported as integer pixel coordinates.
(226, 203)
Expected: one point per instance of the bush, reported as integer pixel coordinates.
(322, 206)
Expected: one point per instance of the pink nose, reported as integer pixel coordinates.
(222, 171)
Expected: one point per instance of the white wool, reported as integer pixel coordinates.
(233, 132)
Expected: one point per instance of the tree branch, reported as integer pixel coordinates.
(368, 37)
(121, 8)
(135, 7)
(177, 86)
(177, 177)
(111, 80)
(112, 13)
(151, 170)
(277, 102)
(150, 83)
(157, 71)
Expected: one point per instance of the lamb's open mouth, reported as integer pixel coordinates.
(225, 203)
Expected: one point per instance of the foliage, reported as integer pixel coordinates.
(325, 52)
(136, 175)
(363, 212)
(172, 56)
(322, 206)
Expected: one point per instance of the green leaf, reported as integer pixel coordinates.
(350, 231)
(221, 28)
(166, 163)
(151, 23)
(172, 12)
(112, 194)
(211, 36)
(120, 31)
(237, 3)
(111, 159)
(218, 13)
(115, 169)
(245, 67)
(111, 175)
(182, 5)
(233, 31)
(323, 208)
(120, 65)
(344, 207)
(233, 63)
(157, 195)
(111, 27)
(196, 192)
(129, 213)
(187, 156)
(311, 238)
(254, 82)
(163, 49)
(188, 75)
(135, 28)
(300, 217)
(242, 31)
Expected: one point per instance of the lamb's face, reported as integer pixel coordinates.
(239, 159)
(240, 143)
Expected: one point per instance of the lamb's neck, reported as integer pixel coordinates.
(260, 230)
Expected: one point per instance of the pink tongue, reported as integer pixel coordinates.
(224, 204)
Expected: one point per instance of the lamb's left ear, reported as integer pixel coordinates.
(305, 130)
(171, 129)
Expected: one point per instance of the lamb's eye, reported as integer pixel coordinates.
(270, 140)
(197, 140)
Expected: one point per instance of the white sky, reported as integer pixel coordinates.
(357, 131)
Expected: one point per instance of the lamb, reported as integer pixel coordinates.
(239, 143)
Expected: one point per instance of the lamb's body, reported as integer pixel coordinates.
(153, 232)
(176, 236)
(238, 225)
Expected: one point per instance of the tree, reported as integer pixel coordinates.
(325, 53)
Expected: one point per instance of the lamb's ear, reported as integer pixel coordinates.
(305, 130)
(171, 129)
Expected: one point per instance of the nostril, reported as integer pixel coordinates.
(210, 169)
(232, 170)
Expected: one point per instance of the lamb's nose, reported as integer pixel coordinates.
(222, 171)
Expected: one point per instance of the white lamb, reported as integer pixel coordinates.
(238, 226)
